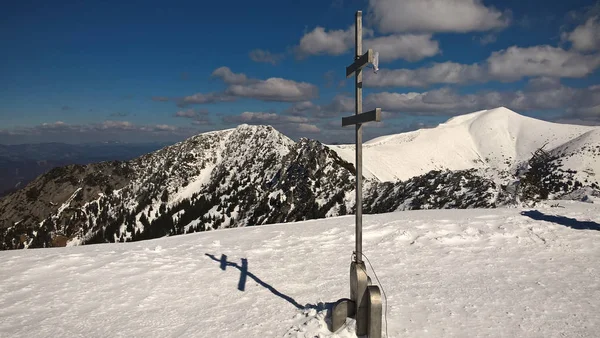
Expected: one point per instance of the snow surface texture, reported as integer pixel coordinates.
(464, 273)
(496, 138)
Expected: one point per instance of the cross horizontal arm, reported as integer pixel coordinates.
(362, 61)
(373, 115)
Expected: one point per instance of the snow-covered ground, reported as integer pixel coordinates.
(463, 273)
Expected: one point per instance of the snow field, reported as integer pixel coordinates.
(447, 273)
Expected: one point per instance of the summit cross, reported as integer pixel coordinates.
(365, 299)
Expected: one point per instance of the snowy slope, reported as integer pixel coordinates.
(496, 138)
(583, 155)
(446, 273)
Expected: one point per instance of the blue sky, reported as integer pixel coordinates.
(148, 70)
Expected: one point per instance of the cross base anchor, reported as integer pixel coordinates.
(365, 304)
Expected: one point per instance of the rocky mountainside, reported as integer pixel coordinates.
(253, 175)
(243, 176)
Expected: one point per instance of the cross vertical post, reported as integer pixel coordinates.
(365, 302)
(358, 160)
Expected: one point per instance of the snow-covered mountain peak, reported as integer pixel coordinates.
(251, 128)
(495, 113)
(241, 131)
(265, 139)
(496, 138)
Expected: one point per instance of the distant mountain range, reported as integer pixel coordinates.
(253, 175)
(20, 164)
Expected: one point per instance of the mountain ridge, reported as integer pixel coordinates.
(497, 139)
(253, 175)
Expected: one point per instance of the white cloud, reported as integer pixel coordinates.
(202, 122)
(543, 83)
(339, 104)
(442, 100)
(510, 64)
(201, 98)
(586, 112)
(105, 131)
(122, 125)
(329, 78)
(189, 113)
(516, 62)
(260, 117)
(446, 72)
(271, 89)
(487, 39)
(295, 119)
(585, 105)
(260, 55)
(198, 117)
(275, 89)
(410, 47)
(392, 16)
(320, 41)
(446, 101)
(585, 37)
(165, 127)
(308, 128)
(264, 118)
(299, 107)
(57, 124)
(229, 77)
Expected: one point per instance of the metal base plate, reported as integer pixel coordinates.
(358, 288)
(342, 309)
(375, 306)
(364, 304)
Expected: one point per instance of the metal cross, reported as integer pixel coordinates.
(365, 299)
(358, 119)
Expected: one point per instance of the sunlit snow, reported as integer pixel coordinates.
(463, 273)
(496, 138)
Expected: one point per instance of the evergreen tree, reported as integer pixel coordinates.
(144, 221)
(537, 181)
(165, 196)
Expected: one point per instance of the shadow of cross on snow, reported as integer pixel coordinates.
(562, 220)
(244, 273)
